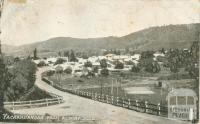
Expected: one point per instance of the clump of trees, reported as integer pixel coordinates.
(71, 55)
(88, 64)
(68, 70)
(50, 72)
(119, 65)
(16, 80)
(95, 69)
(59, 61)
(41, 64)
(5, 78)
(105, 72)
(148, 63)
(135, 68)
(188, 59)
(103, 63)
(112, 51)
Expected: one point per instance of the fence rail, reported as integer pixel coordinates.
(34, 103)
(127, 103)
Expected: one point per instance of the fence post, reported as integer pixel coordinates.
(30, 103)
(136, 101)
(92, 96)
(122, 102)
(117, 100)
(112, 99)
(58, 99)
(107, 98)
(95, 96)
(13, 105)
(99, 96)
(129, 103)
(158, 112)
(47, 102)
(102, 97)
(146, 106)
(77, 92)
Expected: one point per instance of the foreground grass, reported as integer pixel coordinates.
(36, 94)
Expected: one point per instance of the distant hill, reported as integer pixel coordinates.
(153, 38)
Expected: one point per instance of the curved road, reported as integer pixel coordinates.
(104, 113)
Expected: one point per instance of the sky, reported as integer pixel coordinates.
(29, 21)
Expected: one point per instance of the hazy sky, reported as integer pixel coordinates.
(37, 20)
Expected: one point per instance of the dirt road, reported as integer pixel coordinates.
(105, 113)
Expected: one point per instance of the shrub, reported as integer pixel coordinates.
(22, 78)
(135, 68)
(105, 72)
(119, 65)
(68, 70)
(41, 64)
(103, 63)
(149, 65)
(59, 61)
(95, 69)
(88, 64)
(50, 73)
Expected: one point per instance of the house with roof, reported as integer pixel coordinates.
(109, 56)
(136, 57)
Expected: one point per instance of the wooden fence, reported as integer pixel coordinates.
(127, 103)
(34, 103)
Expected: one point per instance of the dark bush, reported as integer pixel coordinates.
(59, 61)
(105, 72)
(68, 70)
(41, 64)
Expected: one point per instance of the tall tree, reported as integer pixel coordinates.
(104, 72)
(135, 68)
(148, 63)
(66, 53)
(195, 50)
(88, 64)
(73, 57)
(119, 65)
(35, 54)
(59, 54)
(103, 63)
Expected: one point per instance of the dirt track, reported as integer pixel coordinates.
(104, 113)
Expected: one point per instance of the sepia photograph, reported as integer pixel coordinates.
(99, 61)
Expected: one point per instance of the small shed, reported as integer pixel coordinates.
(182, 104)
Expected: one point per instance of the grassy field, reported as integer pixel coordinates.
(104, 85)
(36, 94)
